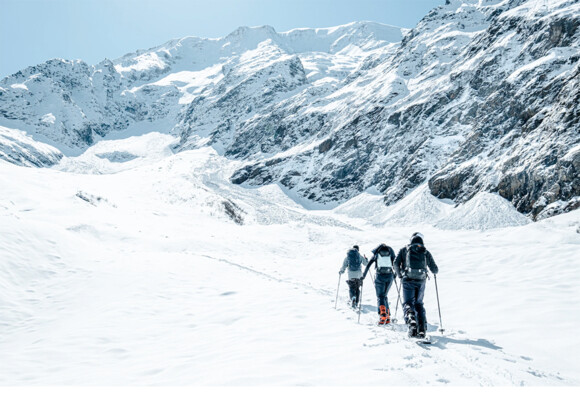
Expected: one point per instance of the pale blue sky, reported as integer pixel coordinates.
(33, 31)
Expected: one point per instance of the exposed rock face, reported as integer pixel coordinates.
(476, 98)
(481, 96)
(524, 90)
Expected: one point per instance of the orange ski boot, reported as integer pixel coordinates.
(383, 315)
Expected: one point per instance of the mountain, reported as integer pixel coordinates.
(481, 96)
(74, 105)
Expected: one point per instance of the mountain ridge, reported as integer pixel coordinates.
(478, 97)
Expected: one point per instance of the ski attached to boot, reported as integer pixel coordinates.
(416, 335)
(422, 337)
(425, 340)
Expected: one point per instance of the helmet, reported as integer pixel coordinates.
(356, 247)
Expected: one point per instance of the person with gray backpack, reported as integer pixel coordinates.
(353, 262)
(383, 259)
(411, 266)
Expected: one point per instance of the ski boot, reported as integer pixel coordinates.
(354, 302)
(421, 331)
(412, 322)
(383, 315)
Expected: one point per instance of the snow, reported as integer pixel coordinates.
(142, 63)
(334, 39)
(190, 83)
(122, 267)
(19, 87)
(572, 153)
(484, 211)
(48, 118)
(419, 207)
(548, 59)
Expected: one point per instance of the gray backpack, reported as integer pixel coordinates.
(384, 262)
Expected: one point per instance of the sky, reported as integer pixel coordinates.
(33, 31)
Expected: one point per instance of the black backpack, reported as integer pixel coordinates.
(384, 262)
(354, 259)
(416, 262)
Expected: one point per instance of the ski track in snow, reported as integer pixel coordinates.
(143, 279)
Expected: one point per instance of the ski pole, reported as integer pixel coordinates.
(360, 300)
(336, 300)
(438, 307)
(398, 299)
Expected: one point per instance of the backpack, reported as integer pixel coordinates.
(354, 259)
(416, 262)
(384, 262)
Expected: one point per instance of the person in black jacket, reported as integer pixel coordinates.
(383, 258)
(411, 266)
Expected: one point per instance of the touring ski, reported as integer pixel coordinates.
(423, 340)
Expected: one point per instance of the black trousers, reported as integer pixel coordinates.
(413, 292)
(354, 289)
(383, 283)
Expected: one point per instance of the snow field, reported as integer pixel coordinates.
(131, 273)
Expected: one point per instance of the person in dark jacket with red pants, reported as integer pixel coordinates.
(411, 266)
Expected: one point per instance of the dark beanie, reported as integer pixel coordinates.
(417, 239)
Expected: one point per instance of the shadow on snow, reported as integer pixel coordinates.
(443, 341)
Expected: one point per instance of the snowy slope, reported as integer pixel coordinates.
(125, 266)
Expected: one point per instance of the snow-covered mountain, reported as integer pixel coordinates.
(481, 96)
(74, 104)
